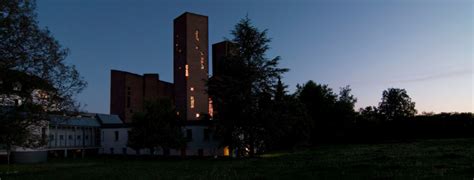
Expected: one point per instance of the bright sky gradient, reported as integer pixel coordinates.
(426, 47)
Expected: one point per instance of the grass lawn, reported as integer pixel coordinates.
(446, 159)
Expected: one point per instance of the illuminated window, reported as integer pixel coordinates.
(200, 52)
(179, 67)
(179, 50)
(202, 62)
(196, 34)
(226, 151)
(186, 73)
(176, 45)
(192, 88)
(211, 109)
(197, 47)
(191, 99)
(177, 113)
(197, 115)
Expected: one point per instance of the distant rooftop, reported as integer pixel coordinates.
(74, 121)
(109, 119)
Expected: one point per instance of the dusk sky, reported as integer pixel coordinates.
(425, 47)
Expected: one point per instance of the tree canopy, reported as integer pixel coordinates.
(396, 105)
(156, 127)
(34, 77)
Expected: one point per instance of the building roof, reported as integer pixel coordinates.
(74, 121)
(109, 119)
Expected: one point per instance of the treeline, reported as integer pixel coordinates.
(255, 113)
(443, 125)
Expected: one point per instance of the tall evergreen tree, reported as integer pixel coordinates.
(244, 88)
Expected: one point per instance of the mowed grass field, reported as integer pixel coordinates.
(443, 159)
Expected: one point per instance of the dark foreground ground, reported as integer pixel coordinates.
(444, 159)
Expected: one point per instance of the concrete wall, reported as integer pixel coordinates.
(111, 145)
(197, 144)
(63, 137)
(208, 147)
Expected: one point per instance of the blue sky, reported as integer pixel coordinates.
(426, 47)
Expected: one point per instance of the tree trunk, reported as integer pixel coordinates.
(8, 157)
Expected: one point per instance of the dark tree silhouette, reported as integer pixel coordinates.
(243, 89)
(157, 126)
(289, 124)
(345, 114)
(396, 105)
(33, 75)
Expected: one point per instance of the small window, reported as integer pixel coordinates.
(61, 137)
(87, 137)
(128, 102)
(206, 134)
(103, 136)
(189, 134)
(116, 135)
(197, 115)
(124, 151)
(78, 136)
(191, 89)
(111, 150)
(70, 137)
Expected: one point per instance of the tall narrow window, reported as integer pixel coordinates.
(211, 109)
(189, 134)
(202, 62)
(196, 35)
(191, 99)
(116, 135)
(186, 69)
(129, 93)
(206, 134)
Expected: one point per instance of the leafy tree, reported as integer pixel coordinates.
(319, 101)
(345, 114)
(369, 114)
(34, 75)
(156, 126)
(245, 88)
(289, 124)
(396, 105)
